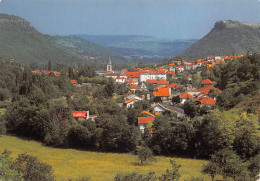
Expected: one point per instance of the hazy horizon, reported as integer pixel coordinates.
(171, 19)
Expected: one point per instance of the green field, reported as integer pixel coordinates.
(71, 163)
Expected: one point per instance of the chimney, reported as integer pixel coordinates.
(87, 114)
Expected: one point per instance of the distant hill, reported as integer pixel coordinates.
(140, 46)
(226, 38)
(25, 44)
(85, 48)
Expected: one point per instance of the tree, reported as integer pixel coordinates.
(25, 167)
(172, 174)
(254, 165)
(218, 130)
(229, 163)
(7, 172)
(2, 126)
(134, 176)
(145, 154)
(32, 169)
(196, 80)
(57, 122)
(211, 169)
(110, 88)
(49, 65)
(190, 108)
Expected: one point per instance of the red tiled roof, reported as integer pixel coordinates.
(154, 72)
(158, 87)
(181, 66)
(185, 95)
(145, 120)
(134, 87)
(179, 86)
(153, 81)
(207, 88)
(163, 82)
(207, 100)
(93, 115)
(132, 74)
(207, 81)
(74, 81)
(129, 81)
(148, 113)
(162, 92)
(79, 114)
(35, 71)
(130, 100)
(170, 73)
(172, 85)
(219, 62)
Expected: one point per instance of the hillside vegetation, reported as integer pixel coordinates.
(239, 80)
(70, 163)
(226, 38)
(25, 44)
(85, 48)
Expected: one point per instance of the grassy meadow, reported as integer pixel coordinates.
(71, 163)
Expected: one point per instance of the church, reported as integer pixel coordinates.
(109, 72)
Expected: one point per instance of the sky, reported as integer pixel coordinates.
(174, 19)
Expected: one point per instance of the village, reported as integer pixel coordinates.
(159, 85)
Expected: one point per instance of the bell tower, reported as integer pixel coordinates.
(109, 65)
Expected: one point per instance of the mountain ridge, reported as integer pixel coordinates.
(21, 41)
(227, 37)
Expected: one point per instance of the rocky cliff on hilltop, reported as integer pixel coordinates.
(226, 37)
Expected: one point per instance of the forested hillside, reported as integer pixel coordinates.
(239, 80)
(25, 44)
(85, 48)
(226, 38)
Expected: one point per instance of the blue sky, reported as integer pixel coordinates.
(175, 19)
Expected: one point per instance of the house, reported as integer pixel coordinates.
(143, 121)
(132, 75)
(179, 111)
(180, 68)
(188, 66)
(74, 82)
(170, 74)
(83, 115)
(152, 81)
(159, 109)
(130, 103)
(120, 80)
(174, 86)
(205, 90)
(206, 82)
(184, 97)
(130, 96)
(163, 93)
(147, 113)
(152, 74)
(131, 81)
(134, 88)
(113, 75)
(163, 83)
(143, 87)
(206, 100)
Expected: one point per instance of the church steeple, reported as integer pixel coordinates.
(109, 65)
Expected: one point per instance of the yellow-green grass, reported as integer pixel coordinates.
(71, 163)
(2, 111)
